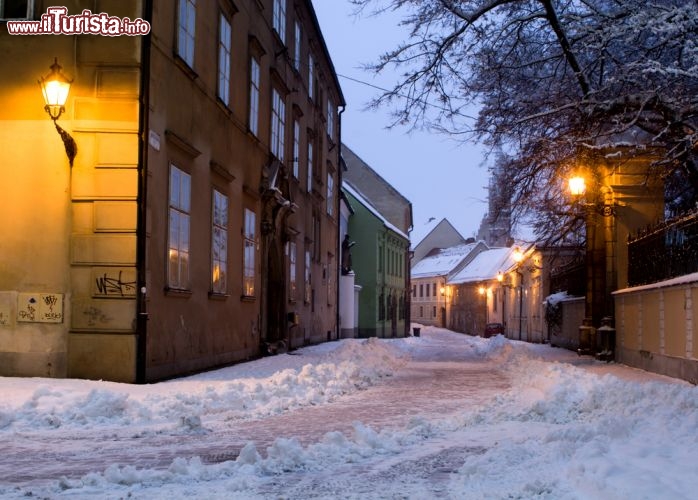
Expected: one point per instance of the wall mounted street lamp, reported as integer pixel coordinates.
(55, 87)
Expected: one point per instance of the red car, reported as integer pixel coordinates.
(492, 329)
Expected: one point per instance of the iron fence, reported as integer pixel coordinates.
(666, 250)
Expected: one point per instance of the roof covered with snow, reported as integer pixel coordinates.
(485, 266)
(442, 262)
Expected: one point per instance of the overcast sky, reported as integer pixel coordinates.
(440, 177)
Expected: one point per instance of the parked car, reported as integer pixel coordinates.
(492, 329)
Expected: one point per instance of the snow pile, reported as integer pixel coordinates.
(555, 431)
(319, 377)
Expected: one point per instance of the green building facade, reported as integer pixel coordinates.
(380, 262)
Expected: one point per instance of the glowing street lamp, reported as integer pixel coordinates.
(55, 87)
(577, 186)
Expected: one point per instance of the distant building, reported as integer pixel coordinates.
(429, 277)
(500, 285)
(379, 224)
(441, 235)
(496, 227)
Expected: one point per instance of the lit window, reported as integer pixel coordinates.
(330, 194)
(278, 124)
(219, 243)
(280, 18)
(297, 46)
(186, 23)
(178, 238)
(16, 9)
(296, 146)
(254, 96)
(249, 254)
(224, 42)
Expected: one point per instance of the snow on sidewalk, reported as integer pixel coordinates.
(441, 415)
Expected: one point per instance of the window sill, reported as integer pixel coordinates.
(178, 292)
(218, 296)
(248, 298)
(184, 66)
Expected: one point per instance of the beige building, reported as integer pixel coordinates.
(197, 225)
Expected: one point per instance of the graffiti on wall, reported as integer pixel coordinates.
(114, 282)
(40, 307)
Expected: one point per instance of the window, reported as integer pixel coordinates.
(381, 306)
(178, 238)
(380, 258)
(330, 119)
(297, 46)
(254, 96)
(330, 194)
(224, 42)
(414, 291)
(421, 311)
(433, 289)
(219, 243)
(310, 166)
(421, 290)
(249, 251)
(278, 124)
(434, 312)
(292, 283)
(186, 23)
(311, 77)
(279, 15)
(308, 288)
(427, 287)
(16, 9)
(296, 146)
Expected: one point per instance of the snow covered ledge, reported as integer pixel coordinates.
(657, 327)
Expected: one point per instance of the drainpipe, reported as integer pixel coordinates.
(339, 216)
(141, 291)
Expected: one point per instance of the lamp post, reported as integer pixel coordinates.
(599, 265)
(55, 88)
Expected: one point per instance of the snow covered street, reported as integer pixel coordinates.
(442, 415)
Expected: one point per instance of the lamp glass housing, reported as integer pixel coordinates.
(55, 88)
(577, 185)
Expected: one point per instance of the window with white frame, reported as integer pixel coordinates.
(330, 119)
(278, 124)
(279, 20)
(16, 9)
(178, 237)
(308, 289)
(297, 46)
(292, 282)
(224, 42)
(254, 96)
(186, 24)
(249, 251)
(296, 147)
(330, 194)
(311, 77)
(310, 166)
(219, 243)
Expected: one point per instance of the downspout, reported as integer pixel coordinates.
(339, 217)
(141, 247)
